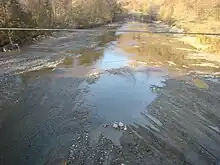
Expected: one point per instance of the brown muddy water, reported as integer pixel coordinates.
(60, 98)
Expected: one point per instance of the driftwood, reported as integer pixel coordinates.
(11, 46)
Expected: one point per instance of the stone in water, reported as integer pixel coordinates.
(115, 125)
(120, 124)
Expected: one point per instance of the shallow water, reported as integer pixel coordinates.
(55, 104)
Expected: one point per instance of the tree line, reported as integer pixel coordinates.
(53, 14)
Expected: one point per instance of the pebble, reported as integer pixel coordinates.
(120, 124)
(115, 125)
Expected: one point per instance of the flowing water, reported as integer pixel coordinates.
(60, 98)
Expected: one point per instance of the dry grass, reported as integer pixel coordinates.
(166, 14)
(191, 15)
(197, 16)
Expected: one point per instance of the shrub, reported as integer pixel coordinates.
(53, 13)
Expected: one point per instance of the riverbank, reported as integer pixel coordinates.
(66, 92)
(52, 14)
(197, 17)
(200, 16)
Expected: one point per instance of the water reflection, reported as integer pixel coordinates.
(135, 89)
(49, 118)
(162, 50)
(111, 76)
(89, 56)
(82, 57)
(121, 93)
(134, 49)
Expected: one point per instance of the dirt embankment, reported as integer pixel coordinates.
(195, 16)
(192, 16)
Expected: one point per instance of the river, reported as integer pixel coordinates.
(61, 96)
